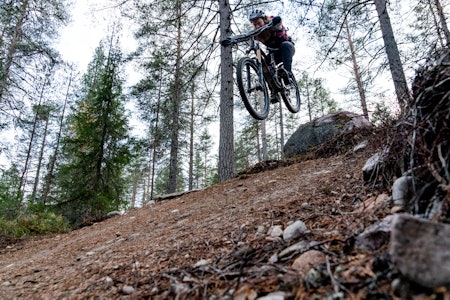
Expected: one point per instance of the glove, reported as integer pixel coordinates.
(276, 21)
(226, 42)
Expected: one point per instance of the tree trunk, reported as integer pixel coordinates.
(265, 155)
(362, 95)
(173, 168)
(28, 155)
(281, 130)
(15, 41)
(41, 156)
(308, 99)
(191, 143)
(51, 169)
(226, 141)
(155, 139)
(136, 178)
(443, 22)
(393, 55)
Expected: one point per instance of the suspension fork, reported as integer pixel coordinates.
(260, 68)
(257, 50)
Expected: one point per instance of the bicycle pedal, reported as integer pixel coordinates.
(274, 100)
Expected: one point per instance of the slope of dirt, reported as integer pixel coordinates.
(208, 244)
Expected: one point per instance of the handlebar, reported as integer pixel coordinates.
(232, 40)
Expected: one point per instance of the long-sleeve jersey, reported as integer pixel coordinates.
(274, 36)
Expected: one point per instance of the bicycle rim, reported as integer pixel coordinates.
(291, 93)
(253, 92)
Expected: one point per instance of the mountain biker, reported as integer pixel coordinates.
(274, 37)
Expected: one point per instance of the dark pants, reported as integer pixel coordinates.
(285, 54)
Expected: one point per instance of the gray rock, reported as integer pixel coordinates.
(420, 249)
(321, 130)
(293, 231)
(360, 146)
(402, 190)
(375, 236)
(373, 163)
(113, 214)
(275, 231)
(128, 290)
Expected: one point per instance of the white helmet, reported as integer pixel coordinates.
(257, 13)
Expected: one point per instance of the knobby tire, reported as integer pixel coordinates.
(291, 94)
(254, 93)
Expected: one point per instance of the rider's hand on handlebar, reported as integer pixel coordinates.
(226, 42)
(276, 21)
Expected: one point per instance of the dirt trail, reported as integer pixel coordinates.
(189, 246)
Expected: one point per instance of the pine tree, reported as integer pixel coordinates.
(10, 203)
(95, 149)
(316, 97)
(167, 34)
(26, 29)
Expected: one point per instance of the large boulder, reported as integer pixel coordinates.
(321, 130)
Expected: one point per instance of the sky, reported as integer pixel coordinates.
(81, 36)
(89, 25)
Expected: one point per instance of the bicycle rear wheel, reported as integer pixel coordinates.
(252, 88)
(290, 93)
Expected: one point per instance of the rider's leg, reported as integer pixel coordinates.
(287, 50)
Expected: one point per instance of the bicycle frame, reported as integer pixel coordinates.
(266, 66)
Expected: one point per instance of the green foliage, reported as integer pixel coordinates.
(43, 223)
(162, 181)
(33, 224)
(96, 149)
(382, 116)
(316, 97)
(202, 161)
(247, 150)
(10, 201)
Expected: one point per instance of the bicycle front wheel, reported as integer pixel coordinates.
(290, 92)
(252, 88)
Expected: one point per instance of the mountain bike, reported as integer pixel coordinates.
(257, 74)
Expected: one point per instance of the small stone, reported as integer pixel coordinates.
(308, 260)
(201, 262)
(273, 259)
(108, 282)
(402, 190)
(113, 214)
(275, 231)
(260, 229)
(360, 146)
(128, 289)
(294, 230)
(6, 283)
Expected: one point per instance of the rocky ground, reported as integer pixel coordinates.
(226, 242)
